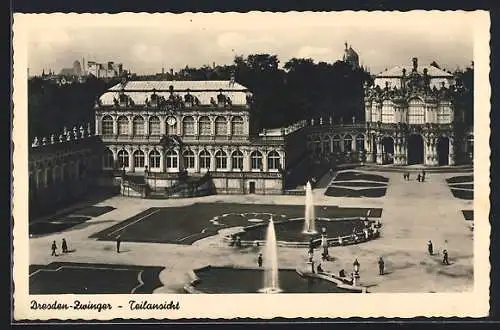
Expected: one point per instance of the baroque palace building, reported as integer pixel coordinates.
(414, 116)
(173, 130)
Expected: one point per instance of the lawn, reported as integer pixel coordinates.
(354, 175)
(80, 278)
(346, 192)
(187, 224)
(461, 179)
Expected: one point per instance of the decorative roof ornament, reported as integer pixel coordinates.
(89, 130)
(44, 141)
(82, 132)
(52, 139)
(61, 138)
(75, 133)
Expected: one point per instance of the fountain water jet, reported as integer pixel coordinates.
(271, 283)
(309, 226)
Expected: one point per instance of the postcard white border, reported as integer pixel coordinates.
(474, 304)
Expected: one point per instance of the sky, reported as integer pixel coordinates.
(145, 43)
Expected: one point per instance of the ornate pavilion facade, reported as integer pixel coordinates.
(173, 129)
(416, 118)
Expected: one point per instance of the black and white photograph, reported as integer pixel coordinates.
(224, 165)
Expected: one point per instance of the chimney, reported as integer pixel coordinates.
(172, 72)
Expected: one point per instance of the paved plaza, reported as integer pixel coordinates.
(412, 214)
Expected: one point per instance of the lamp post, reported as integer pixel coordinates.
(356, 276)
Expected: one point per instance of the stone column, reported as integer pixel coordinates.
(397, 149)
(162, 157)
(379, 151)
(146, 158)
(180, 159)
(404, 151)
(163, 128)
(342, 143)
(264, 162)
(212, 160)
(369, 149)
(178, 123)
(451, 153)
(246, 160)
(146, 125)
(131, 163)
(115, 125)
(228, 129)
(130, 125)
(196, 160)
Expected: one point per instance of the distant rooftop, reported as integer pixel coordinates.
(203, 90)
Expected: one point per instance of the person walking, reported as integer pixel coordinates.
(64, 246)
(445, 257)
(429, 247)
(418, 177)
(54, 248)
(118, 242)
(381, 266)
(259, 260)
(423, 175)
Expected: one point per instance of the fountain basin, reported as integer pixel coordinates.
(249, 280)
(289, 232)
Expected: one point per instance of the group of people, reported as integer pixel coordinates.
(420, 176)
(64, 247)
(430, 249)
(235, 241)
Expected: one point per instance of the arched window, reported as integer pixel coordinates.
(138, 126)
(376, 111)
(188, 159)
(326, 144)
(317, 144)
(154, 126)
(108, 160)
(237, 126)
(387, 112)
(171, 126)
(154, 159)
(444, 113)
(360, 142)
(336, 143)
(273, 160)
(171, 156)
(123, 125)
(138, 158)
(107, 125)
(220, 126)
(204, 126)
(237, 160)
(347, 143)
(122, 158)
(205, 159)
(188, 125)
(256, 160)
(220, 160)
(416, 112)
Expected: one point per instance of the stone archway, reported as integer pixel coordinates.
(443, 150)
(415, 149)
(387, 150)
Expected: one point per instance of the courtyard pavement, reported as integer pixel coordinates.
(413, 213)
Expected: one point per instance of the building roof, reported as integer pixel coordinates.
(397, 71)
(203, 90)
(164, 85)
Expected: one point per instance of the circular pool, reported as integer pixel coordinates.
(290, 232)
(249, 280)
